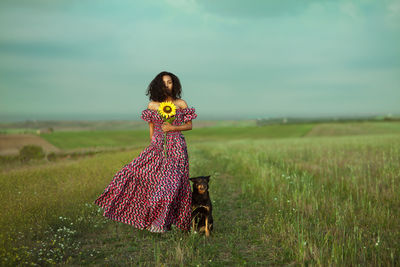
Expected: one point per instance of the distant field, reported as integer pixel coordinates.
(361, 128)
(11, 144)
(105, 139)
(83, 139)
(113, 125)
(73, 140)
(90, 139)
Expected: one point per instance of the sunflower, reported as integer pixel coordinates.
(167, 109)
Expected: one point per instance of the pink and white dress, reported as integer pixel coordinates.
(153, 192)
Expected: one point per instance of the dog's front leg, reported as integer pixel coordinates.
(207, 230)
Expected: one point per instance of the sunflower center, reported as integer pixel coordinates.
(167, 109)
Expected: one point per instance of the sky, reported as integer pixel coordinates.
(93, 59)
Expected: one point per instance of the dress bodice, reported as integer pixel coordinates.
(182, 115)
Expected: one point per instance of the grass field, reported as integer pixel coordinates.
(84, 139)
(87, 139)
(282, 194)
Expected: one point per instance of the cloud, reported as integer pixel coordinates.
(255, 8)
(259, 9)
(188, 6)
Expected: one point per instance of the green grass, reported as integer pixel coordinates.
(230, 133)
(136, 138)
(34, 199)
(104, 139)
(95, 139)
(326, 200)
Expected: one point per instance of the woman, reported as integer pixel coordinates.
(153, 191)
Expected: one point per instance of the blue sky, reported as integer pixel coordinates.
(93, 59)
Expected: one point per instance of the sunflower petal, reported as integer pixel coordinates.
(167, 109)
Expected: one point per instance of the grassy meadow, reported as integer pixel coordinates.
(296, 194)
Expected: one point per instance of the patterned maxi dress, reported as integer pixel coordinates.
(153, 192)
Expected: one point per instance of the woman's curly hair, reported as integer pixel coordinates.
(157, 90)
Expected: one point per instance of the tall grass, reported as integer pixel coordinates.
(327, 200)
(35, 200)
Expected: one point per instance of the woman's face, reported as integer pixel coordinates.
(168, 82)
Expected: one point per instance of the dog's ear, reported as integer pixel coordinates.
(207, 178)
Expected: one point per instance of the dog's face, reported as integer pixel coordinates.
(200, 183)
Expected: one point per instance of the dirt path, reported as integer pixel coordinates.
(10, 144)
(235, 239)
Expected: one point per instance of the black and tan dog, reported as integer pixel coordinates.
(202, 220)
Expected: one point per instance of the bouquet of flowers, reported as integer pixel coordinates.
(167, 111)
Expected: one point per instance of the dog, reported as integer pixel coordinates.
(202, 220)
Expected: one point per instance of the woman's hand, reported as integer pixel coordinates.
(167, 127)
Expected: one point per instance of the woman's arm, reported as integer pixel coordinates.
(167, 127)
(151, 124)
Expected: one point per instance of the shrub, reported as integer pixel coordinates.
(29, 152)
(8, 159)
(52, 156)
